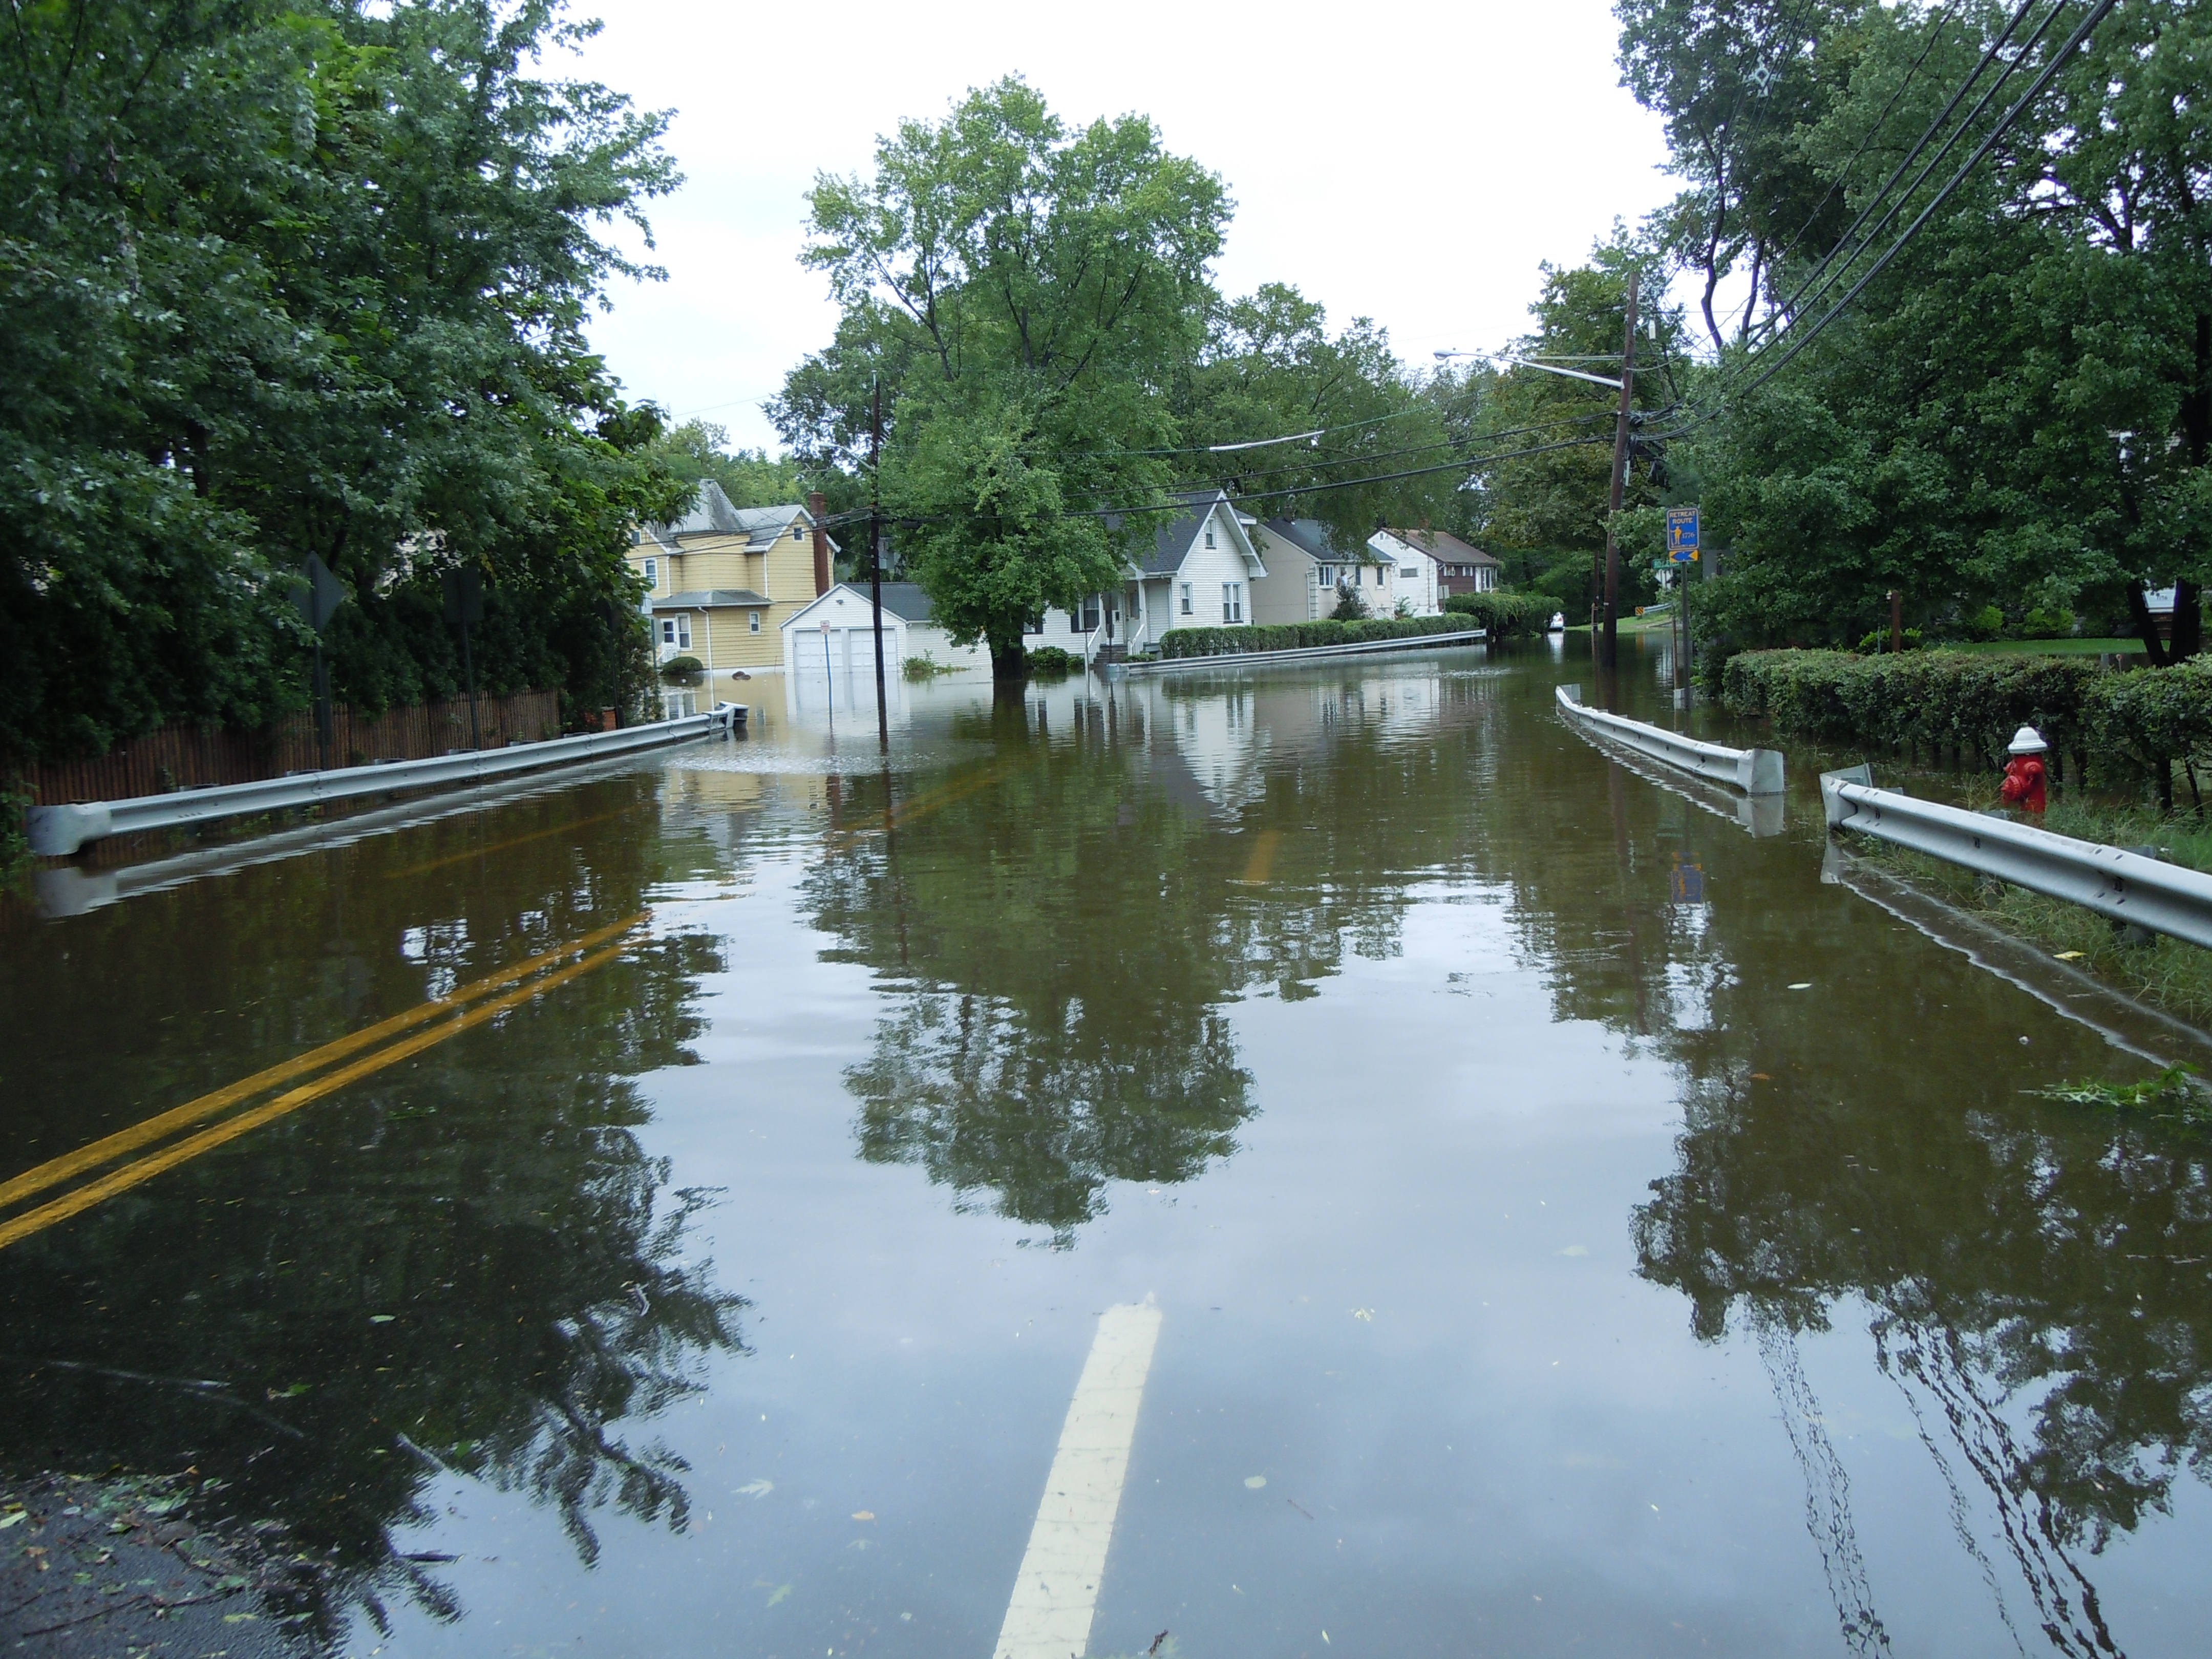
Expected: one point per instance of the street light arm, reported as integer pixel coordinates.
(1526, 362)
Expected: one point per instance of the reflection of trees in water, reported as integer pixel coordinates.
(2034, 1275)
(2028, 1273)
(493, 1203)
(1064, 919)
(961, 1086)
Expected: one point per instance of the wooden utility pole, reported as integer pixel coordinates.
(1609, 649)
(876, 554)
(1896, 620)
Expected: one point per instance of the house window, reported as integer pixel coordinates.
(1186, 598)
(799, 532)
(752, 621)
(1209, 535)
(653, 576)
(676, 631)
(1075, 617)
(1232, 602)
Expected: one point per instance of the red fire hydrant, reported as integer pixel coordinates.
(2023, 779)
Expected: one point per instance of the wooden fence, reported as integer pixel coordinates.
(194, 757)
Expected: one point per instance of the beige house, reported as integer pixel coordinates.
(1307, 574)
(719, 583)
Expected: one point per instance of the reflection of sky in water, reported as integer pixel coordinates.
(1572, 1282)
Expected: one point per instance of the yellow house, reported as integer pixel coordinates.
(718, 583)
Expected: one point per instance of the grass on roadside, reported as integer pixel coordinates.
(2068, 648)
(2166, 973)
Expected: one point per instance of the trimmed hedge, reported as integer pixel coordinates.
(1507, 615)
(1293, 637)
(2139, 719)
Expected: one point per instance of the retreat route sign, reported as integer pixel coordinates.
(1682, 534)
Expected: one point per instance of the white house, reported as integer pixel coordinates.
(1198, 571)
(836, 635)
(1418, 572)
(1307, 574)
(1461, 567)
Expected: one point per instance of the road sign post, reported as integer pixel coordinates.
(318, 603)
(464, 605)
(1682, 537)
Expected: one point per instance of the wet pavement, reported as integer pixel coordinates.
(1573, 1226)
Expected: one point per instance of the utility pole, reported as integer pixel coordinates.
(1609, 652)
(876, 552)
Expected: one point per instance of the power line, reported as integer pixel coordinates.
(1800, 338)
(1790, 306)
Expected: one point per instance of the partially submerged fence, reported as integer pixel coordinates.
(195, 757)
(2126, 886)
(1754, 771)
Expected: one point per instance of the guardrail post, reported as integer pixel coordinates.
(1833, 806)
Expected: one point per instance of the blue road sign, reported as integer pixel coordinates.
(1682, 534)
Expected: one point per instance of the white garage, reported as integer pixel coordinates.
(834, 638)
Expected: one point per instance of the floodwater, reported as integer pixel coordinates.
(1573, 1225)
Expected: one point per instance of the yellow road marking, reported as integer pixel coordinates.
(130, 1174)
(1262, 864)
(502, 846)
(56, 1170)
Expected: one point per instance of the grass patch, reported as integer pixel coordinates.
(2051, 648)
(925, 668)
(2172, 1096)
(2166, 973)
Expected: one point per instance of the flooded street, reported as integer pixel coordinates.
(1571, 1225)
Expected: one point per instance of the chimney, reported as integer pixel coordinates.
(814, 505)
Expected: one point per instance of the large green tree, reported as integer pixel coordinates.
(1024, 293)
(2016, 412)
(292, 276)
(1361, 421)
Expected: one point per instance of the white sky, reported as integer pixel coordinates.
(1408, 162)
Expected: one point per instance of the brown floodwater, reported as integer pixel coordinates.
(1576, 1224)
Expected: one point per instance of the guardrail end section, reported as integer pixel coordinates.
(1832, 801)
(1762, 771)
(1571, 694)
(55, 832)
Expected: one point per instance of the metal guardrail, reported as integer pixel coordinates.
(1754, 771)
(1303, 653)
(58, 831)
(2128, 887)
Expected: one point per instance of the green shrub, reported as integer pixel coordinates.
(1507, 615)
(1350, 607)
(1051, 662)
(2128, 722)
(2040, 624)
(925, 667)
(680, 668)
(1293, 637)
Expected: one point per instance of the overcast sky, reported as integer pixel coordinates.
(1414, 163)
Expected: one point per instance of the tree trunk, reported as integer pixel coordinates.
(1009, 663)
(2146, 628)
(2188, 622)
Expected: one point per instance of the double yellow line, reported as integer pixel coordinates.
(576, 957)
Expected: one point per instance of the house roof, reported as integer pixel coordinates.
(1310, 537)
(701, 598)
(905, 600)
(1175, 532)
(1442, 545)
(712, 514)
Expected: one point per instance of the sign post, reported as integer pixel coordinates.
(318, 603)
(1682, 538)
(465, 604)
